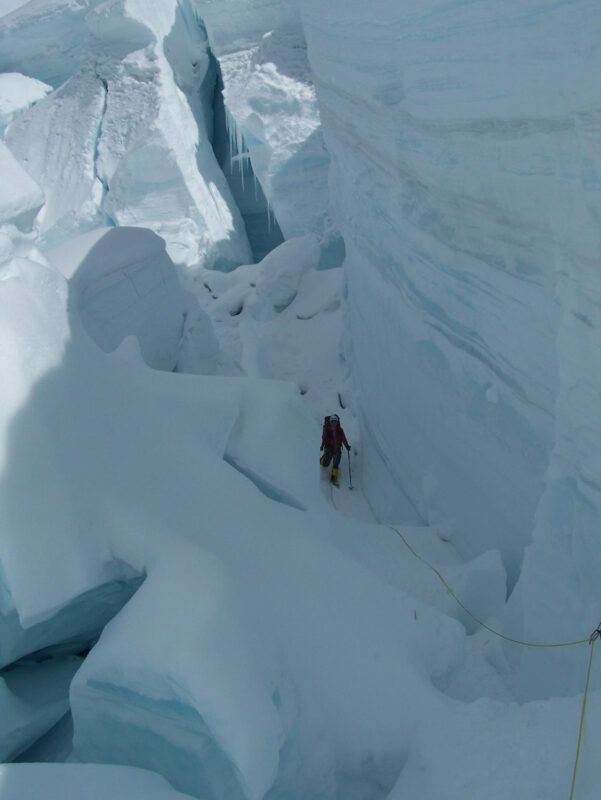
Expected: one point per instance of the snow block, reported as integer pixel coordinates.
(123, 283)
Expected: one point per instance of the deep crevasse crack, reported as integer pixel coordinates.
(103, 182)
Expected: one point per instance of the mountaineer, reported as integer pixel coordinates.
(332, 439)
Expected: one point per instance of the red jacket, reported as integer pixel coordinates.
(333, 437)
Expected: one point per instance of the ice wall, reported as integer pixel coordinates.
(466, 170)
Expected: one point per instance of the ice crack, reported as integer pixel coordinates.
(102, 182)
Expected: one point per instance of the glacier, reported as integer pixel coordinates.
(220, 220)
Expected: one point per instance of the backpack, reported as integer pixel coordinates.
(326, 424)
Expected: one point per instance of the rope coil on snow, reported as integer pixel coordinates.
(476, 619)
(594, 636)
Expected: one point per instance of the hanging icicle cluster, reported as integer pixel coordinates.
(240, 155)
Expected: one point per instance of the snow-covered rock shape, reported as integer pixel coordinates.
(469, 196)
(118, 141)
(273, 113)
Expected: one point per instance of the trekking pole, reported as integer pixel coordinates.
(350, 479)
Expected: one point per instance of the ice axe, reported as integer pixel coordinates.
(348, 452)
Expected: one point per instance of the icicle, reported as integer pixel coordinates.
(235, 134)
(232, 132)
(237, 145)
(240, 140)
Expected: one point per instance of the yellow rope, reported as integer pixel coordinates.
(526, 644)
(469, 613)
(582, 713)
(592, 640)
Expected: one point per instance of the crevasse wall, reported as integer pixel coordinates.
(273, 114)
(466, 172)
